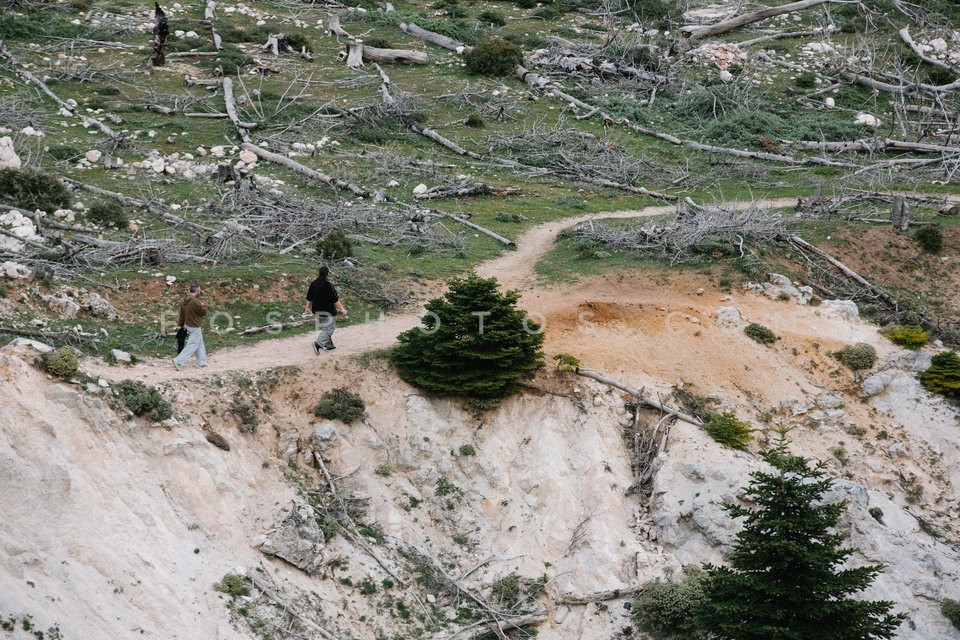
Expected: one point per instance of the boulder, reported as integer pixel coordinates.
(63, 306)
(8, 155)
(99, 307)
(15, 270)
(323, 438)
(26, 342)
(728, 317)
(93, 156)
(846, 309)
(248, 157)
(288, 444)
(420, 188)
(298, 540)
(122, 356)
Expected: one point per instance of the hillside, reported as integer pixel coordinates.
(652, 176)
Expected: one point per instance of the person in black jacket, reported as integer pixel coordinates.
(324, 303)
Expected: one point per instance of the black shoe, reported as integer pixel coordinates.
(330, 348)
(316, 348)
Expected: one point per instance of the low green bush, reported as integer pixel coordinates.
(494, 57)
(671, 608)
(233, 585)
(950, 609)
(31, 190)
(492, 16)
(335, 245)
(475, 121)
(61, 362)
(726, 429)
(143, 400)
(859, 357)
(377, 43)
(760, 333)
(943, 376)
(107, 213)
(910, 337)
(930, 239)
(340, 404)
(64, 152)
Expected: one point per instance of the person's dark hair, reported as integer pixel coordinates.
(194, 287)
(324, 272)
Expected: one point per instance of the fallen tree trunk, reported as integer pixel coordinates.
(466, 192)
(407, 56)
(647, 400)
(476, 227)
(871, 146)
(601, 596)
(692, 32)
(305, 170)
(435, 38)
(232, 109)
(481, 629)
(202, 82)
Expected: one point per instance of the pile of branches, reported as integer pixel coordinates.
(287, 223)
(139, 251)
(570, 151)
(693, 231)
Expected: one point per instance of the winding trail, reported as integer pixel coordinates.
(514, 270)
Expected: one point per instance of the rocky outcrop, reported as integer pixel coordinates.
(846, 309)
(298, 540)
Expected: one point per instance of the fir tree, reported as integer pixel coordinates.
(473, 341)
(785, 581)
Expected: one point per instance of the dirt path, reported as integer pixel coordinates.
(514, 269)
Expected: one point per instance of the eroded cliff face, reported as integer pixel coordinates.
(112, 525)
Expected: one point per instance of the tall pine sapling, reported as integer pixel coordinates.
(473, 342)
(785, 580)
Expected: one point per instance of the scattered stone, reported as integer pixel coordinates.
(171, 280)
(298, 540)
(93, 156)
(15, 270)
(868, 119)
(248, 157)
(829, 103)
(393, 183)
(122, 356)
(420, 188)
(829, 401)
(8, 155)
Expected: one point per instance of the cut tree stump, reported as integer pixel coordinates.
(158, 56)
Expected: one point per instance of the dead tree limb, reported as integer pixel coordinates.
(647, 400)
(785, 34)
(867, 145)
(476, 227)
(435, 38)
(202, 82)
(481, 629)
(269, 592)
(692, 32)
(284, 161)
(232, 109)
(466, 191)
(905, 36)
(600, 596)
(21, 71)
(209, 12)
(141, 204)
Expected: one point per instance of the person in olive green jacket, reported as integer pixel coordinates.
(191, 318)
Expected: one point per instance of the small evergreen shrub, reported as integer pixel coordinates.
(526, 4)
(143, 400)
(859, 357)
(950, 609)
(61, 362)
(232, 585)
(107, 213)
(567, 362)
(474, 121)
(31, 190)
(759, 333)
(943, 376)
(330, 527)
(670, 608)
(335, 245)
(930, 239)
(217, 440)
(467, 450)
(377, 42)
(510, 217)
(728, 431)
(246, 412)
(340, 404)
(492, 16)
(909, 337)
(64, 152)
(494, 57)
